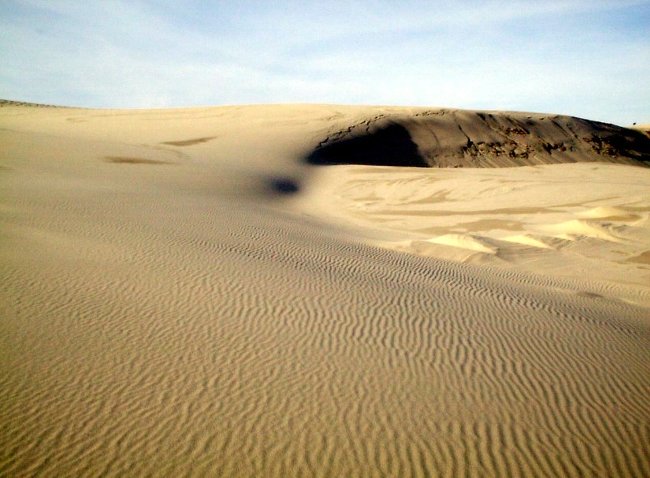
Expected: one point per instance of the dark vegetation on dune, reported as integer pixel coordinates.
(444, 138)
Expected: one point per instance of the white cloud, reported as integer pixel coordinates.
(515, 54)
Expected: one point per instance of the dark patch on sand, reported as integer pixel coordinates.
(284, 186)
(133, 160)
(643, 258)
(390, 145)
(590, 295)
(189, 142)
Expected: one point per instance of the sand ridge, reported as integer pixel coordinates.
(206, 319)
(460, 138)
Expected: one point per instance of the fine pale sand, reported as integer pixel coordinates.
(566, 220)
(189, 292)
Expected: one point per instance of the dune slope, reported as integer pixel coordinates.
(457, 138)
(565, 220)
(167, 311)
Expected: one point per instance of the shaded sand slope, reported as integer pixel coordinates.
(453, 138)
(166, 313)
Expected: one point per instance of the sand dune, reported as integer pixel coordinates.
(570, 220)
(183, 293)
(453, 138)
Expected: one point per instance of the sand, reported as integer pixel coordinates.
(184, 292)
(564, 220)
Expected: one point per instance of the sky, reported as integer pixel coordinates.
(587, 58)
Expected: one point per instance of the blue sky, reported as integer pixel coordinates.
(589, 58)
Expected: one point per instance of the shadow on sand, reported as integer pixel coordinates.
(388, 146)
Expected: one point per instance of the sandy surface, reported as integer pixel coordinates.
(566, 220)
(182, 293)
(643, 127)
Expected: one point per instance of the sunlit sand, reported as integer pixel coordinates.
(280, 291)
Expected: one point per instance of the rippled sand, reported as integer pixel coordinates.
(174, 302)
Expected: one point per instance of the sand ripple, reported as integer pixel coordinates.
(154, 324)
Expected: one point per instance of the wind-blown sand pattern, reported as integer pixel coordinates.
(183, 293)
(570, 220)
